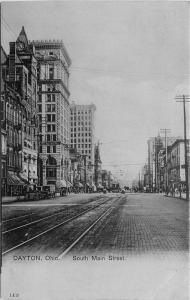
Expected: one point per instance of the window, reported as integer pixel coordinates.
(40, 149)
(48, 149)
(49, 128)
(54, 149)
(39, 108)
(53, 127)
(48, 97)
(48, 137)
(48, 118)
(50, 72)
(40, 98)
(48, 107)
(54, 137)
(53, 98)
(53, 107)
(53, 118)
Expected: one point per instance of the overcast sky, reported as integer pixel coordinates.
(128, 58)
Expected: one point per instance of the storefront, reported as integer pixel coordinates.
(15, 185)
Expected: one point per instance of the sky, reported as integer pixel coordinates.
(128, 58)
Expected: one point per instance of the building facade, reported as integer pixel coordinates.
(155, 144)
(83, 135)
(176, 164)
(19, 105)
(53, 64)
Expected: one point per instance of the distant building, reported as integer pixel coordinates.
(83, 134)
(53, 64)
(176, 163)
(155, 144)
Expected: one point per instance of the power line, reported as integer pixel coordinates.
(8, 26)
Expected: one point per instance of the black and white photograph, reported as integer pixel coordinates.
(95, 150)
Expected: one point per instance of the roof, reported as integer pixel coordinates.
(22, 37)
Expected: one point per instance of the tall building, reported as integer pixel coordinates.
(83, 135)
(24, 71)
(53, 112)
(19, 102)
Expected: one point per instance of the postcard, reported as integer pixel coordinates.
(95, 150)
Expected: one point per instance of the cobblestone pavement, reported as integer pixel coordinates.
(141, 223)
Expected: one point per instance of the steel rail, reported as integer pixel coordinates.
(19, 217)
(82, 235)
(39, 220)
(52, 228)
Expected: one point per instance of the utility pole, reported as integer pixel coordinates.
(166, 130)
(183, 99)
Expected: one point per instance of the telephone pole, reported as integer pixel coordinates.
(183, 99)
(166, 130)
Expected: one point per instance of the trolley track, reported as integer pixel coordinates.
(68, 249)
(64, 222)
(35, 214)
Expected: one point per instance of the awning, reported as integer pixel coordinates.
(13, 179)
(88, 184)
(80, 184)
(62, 183)
(23, 177)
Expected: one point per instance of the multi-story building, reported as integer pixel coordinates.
(53, 112)
(19, 101)
(23, 70)
(176, 163)
(82, 135)
(155, 144)
(3, 125)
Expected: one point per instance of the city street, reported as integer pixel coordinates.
(96, 223)
(117, 246)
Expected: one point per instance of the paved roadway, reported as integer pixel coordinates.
(97, 246)
(121, 223)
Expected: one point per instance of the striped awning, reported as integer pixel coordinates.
(13, 179)
(61, 183)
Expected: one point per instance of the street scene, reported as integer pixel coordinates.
(118, 224)
(95, 150)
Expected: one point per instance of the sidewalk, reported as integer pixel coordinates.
(7, 199)
(10, 199)
(183, 196)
